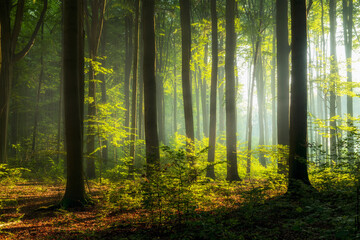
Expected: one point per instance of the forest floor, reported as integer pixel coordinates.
(325, 215)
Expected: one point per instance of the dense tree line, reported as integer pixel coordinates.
(131, 53)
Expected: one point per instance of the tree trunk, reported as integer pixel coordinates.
(151, 130)
(41, 78)
(348, 25)
(94, 35)
(127, 70)
(197, 81)
(221, 92)
(186, 85)
(333, 79)
(214, 71)
(175, 90)
(204, 104)
(104, 150)
(298, 111)
(230, 48)
(282, 49)
(273, 91)
(134, 92)
(73, 103)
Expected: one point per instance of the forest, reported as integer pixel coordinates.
(190, 119)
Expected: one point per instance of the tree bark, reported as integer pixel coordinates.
(186, 84)
(333, 79)
(230, 48)
(151, 131)
(348, 26)
(134, 90)
(214, 72)
(73, 102)
(298, 111)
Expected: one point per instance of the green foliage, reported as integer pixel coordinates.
(11, 174)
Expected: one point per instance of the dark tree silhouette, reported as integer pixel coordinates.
(214, 71)
(73, 64)
(186, 85)
(298, 111)
(230, 45)
(151, 133)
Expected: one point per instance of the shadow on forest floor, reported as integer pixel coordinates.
(324, 215)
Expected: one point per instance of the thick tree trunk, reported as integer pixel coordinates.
(73, 102)
(298, 110)
(151, 131)
(186, 84)
(214, 72)
(230, 48)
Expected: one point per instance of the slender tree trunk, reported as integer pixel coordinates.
(214, 72)
(102, 77)
(197, 81)
(128, 63)
(348, 26)
(41, 79)
(261, 104)
(204, 104)
(333, 79)
(323, 44)
(230, 48)
(273, 92)
(221, 92)
(175, 90)
(134, 90)
(298, 109)
(186, 85)
(151, 130)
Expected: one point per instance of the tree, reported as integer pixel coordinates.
(298, 110)
(73, 57)
(333, 78)
(214, 71)
(282, 48)
(348, 26)
(134, 88)
(9, 42)
(230, 45)
(185, 72)
(94, 35)
(151, 133)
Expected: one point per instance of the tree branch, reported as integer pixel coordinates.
(31, 41)
(17, 25)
